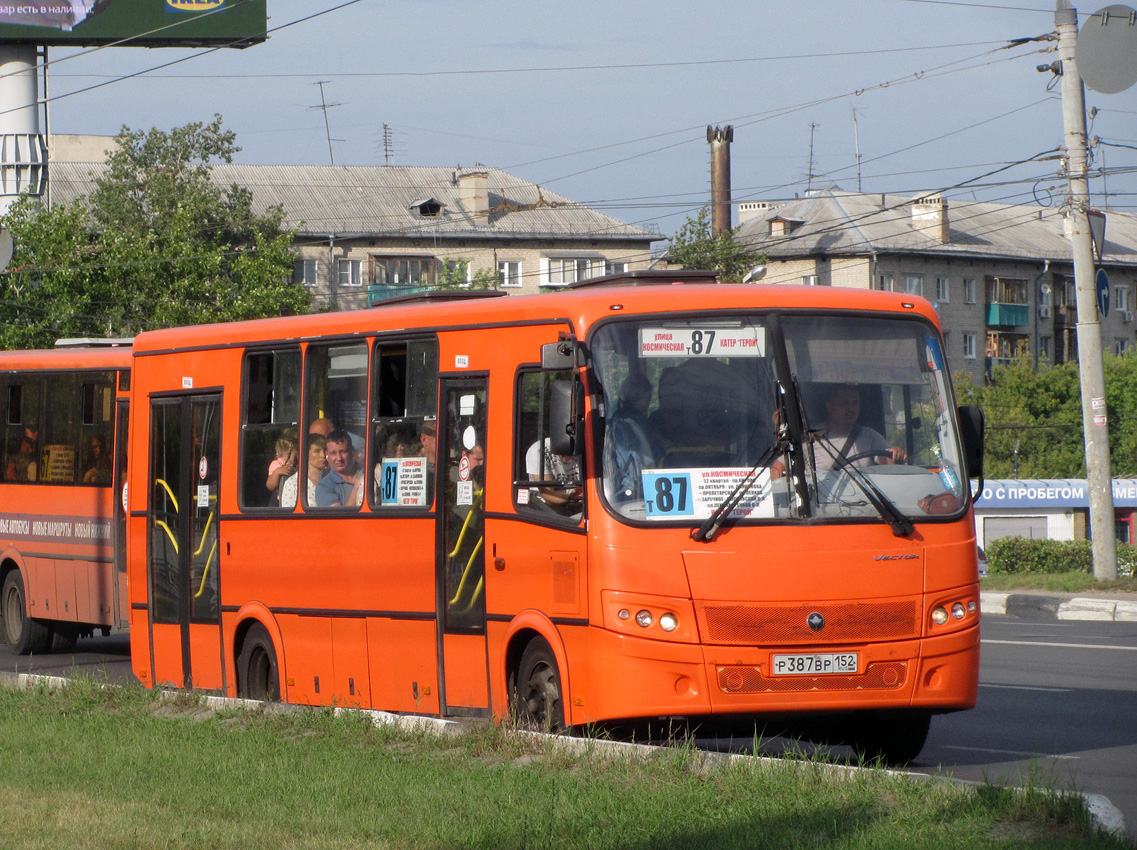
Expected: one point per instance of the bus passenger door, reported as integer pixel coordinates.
(460, 579)
(185, 611)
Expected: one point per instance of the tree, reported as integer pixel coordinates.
(1034, 418)
(156, 244)
(695, 247)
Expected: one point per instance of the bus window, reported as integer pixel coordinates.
(96, 428)
(405, 403)
(21, 428)
(270, 425)
(547, 485)
(335, 406)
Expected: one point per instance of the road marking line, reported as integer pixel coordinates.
(1013, 753)
(1061, 645)
(1027, 688)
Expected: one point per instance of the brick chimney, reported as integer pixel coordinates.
(930, 217)
(474, 192)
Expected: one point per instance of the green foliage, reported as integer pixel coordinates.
(1019, 555)
(695, 247)
(1034, 419)
(157, 244)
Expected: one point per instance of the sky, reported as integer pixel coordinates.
(608, 103)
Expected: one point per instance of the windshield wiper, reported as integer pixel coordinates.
(901, 525)
(710, 526)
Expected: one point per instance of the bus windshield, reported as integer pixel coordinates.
(777, 418)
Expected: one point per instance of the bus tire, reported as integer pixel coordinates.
(257, 674)
(22, 633)
(893, 740)
(537, 694)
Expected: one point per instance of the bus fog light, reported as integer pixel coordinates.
(668, 622)
(958, 611)
(971, 607)
(939, 616)
(624, 613)
(643, 618)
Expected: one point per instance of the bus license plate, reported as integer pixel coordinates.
(815, 664)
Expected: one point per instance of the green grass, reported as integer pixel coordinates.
(1056, 583)
(92, 767)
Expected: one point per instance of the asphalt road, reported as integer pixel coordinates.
(1057, 707)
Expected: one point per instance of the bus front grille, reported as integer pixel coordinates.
(749, 680)
(781, 625)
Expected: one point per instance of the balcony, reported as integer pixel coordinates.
(1008, 315)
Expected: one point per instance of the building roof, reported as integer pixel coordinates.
(387, 201)
(834, 222)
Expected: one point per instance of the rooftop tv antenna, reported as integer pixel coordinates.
(325, 106)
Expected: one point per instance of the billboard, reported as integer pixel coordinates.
(133, 23)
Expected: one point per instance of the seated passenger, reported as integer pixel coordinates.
(342, 486)
(314, 471)
(628, 447)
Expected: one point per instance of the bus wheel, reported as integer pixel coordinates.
(21, 632)
(537, 694)
(257, 674)
(892, 739)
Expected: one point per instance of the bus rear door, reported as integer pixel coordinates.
(183, 578)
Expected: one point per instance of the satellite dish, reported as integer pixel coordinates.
(1044, 289)
(1107, 50)
(7, 246)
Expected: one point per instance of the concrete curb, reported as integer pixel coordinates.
(1105, 815)
(1036, 606)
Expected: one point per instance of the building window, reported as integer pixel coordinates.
(1120, 346)
(611, 267)
(1045, 345)
(509, 273)
(349, 272)
(968, 290)
(969, 346)
(304, 272)
(942, 289)
(885, 283)
(1121, 298)
(1006, 290)
(403, 271)
(565, 270)
(809, 280)
(913, 285)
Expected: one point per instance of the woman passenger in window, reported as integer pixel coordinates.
(313, 472)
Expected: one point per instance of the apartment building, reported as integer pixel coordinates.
(364, 233)
(1000, 276)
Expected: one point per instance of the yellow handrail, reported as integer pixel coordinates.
(466, 571)
(205, 572)
(169, 492)
(204, 534)
(170, 534)
(466, 522)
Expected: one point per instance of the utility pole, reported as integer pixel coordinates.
(1090, 371)
(809, 174)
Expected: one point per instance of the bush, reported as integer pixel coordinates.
(1020, 555)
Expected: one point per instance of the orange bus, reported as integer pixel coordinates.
(620, 502)
(64, 413)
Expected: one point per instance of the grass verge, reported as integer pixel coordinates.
(1056, 583)
(118, 767)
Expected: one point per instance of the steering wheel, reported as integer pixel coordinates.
(841, 463)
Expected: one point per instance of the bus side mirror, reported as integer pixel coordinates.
(566, 418)
(971, 428)
(558, 356)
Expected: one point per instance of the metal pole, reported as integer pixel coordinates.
(1094, 425)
